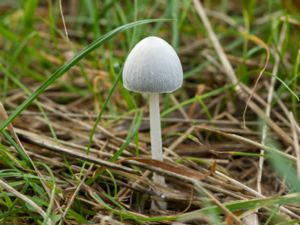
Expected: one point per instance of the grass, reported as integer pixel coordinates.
(74, 147)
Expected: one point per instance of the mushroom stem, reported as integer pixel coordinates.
(156, 142)
(155, 129)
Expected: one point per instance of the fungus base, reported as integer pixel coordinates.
(156, 142)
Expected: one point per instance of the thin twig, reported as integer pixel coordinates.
(223, 58)
(63, 20)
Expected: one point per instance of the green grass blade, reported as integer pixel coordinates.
(63, 69)
(295, 83)
(16, 146)
(29, 11)
(288, 88)
(133, 131)
(7, 34)
(99, 116)
(175, 29)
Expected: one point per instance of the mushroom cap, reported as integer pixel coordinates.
(152, 66)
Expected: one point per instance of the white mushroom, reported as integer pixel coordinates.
(153, 67)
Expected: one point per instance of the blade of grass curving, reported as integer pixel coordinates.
(205, 108)
(133, 131)
(114, 182)
(289, 89)
(16, 146)
(99, 116)
(98, 119)
(64, 68)
(128, 97)
(285, 85)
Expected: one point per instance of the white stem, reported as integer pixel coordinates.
(156, 142)
(155, 129)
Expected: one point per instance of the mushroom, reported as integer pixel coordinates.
(153, 67)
